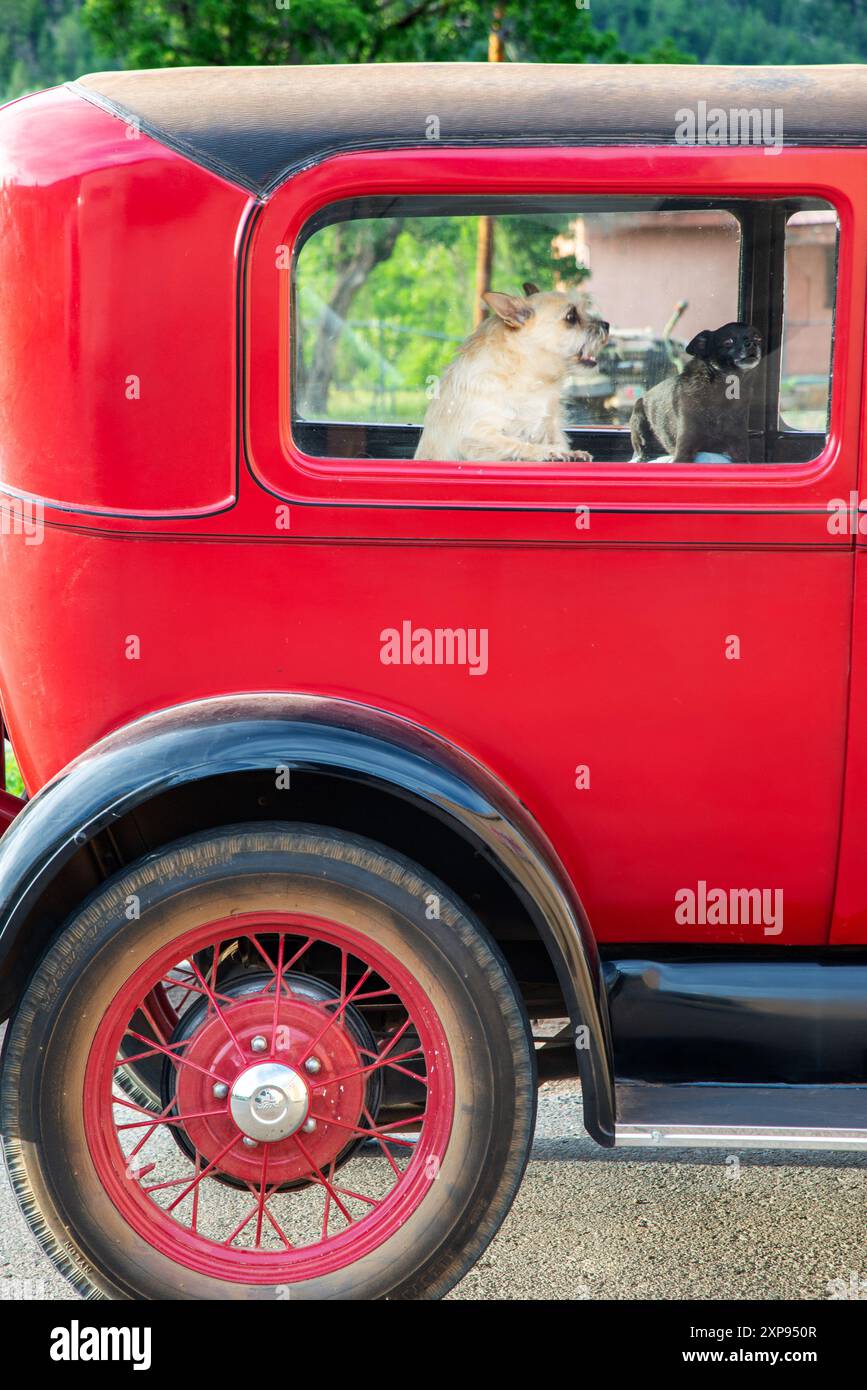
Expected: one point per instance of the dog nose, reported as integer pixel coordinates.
(604, 326)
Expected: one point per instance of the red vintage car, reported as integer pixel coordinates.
(364, 792)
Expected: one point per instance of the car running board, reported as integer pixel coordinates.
(741, 1117)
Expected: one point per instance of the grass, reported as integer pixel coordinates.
(14, 784)
(402, 406)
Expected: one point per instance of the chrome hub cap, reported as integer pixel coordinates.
(269, 1102)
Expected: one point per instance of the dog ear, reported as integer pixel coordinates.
(529, 288)
(509, 307)
(700, 344)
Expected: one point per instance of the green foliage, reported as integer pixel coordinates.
(742, 31)
(405, 322)
(413, 309)
(14, 781)
(151, 33)
(159, 32)
(557, 31)
(42, 43)
(165, 33)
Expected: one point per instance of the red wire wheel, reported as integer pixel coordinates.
(265, 1162)
(304, 1070)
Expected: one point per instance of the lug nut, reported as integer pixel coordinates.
(250, 1143)
(313, 1065)
(309, 1125)
(259, 1044)
(221, 1090)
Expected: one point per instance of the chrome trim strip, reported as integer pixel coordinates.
(737, 1137)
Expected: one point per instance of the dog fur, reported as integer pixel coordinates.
(706, 408)
(500, 397)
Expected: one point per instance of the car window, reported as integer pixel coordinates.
(388, 294)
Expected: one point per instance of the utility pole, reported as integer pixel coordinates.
(485, 247)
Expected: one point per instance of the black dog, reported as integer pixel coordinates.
(705, 408)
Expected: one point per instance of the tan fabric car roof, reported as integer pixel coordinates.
(255, 126)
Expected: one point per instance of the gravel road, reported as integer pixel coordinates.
(629, 1224)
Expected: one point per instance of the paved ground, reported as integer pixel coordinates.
(628, 1224)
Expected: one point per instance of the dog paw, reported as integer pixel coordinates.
(568, 456)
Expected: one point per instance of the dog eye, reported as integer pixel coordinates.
(572, 316)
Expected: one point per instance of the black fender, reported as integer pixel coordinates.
(241, 733)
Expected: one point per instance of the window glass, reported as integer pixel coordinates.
(514, 330)
(808, 322)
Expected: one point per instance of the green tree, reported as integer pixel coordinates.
(356, 249)
(159, 33)
(42, 42)
(169, 33)
(741, 31)
(47, 41)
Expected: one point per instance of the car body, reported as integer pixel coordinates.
(652, 798)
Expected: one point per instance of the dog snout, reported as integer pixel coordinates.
(601, 330)
(597, 331)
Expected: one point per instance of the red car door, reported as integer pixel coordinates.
(668, 645)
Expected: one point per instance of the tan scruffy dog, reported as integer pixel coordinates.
(500, 398)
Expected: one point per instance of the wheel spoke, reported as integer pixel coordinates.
(140, 1173)
(327, 1211)
(175, 1182)
(194, 989)
(372, 1133)
(269, 962)
(373, 994)
(241, 1226)
(395, 1039)
(317, 1175)
(174, 1119)
(278, 998)
(266, 1211)
(381, 1062)
(215, 963)
(212, 998)
(344, 1004)
(153, 1125)
(278, 1228)
(168, 1051)
(204, 1173)
(143, 1008)
(194, 1218)
(358, 1196)
(382, 1144)
(259, 1210)
(126, 1104)
(263, 1179)
(405, 1071)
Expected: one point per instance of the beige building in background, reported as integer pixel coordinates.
(642, 264)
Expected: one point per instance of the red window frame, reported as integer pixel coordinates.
(274, 459)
